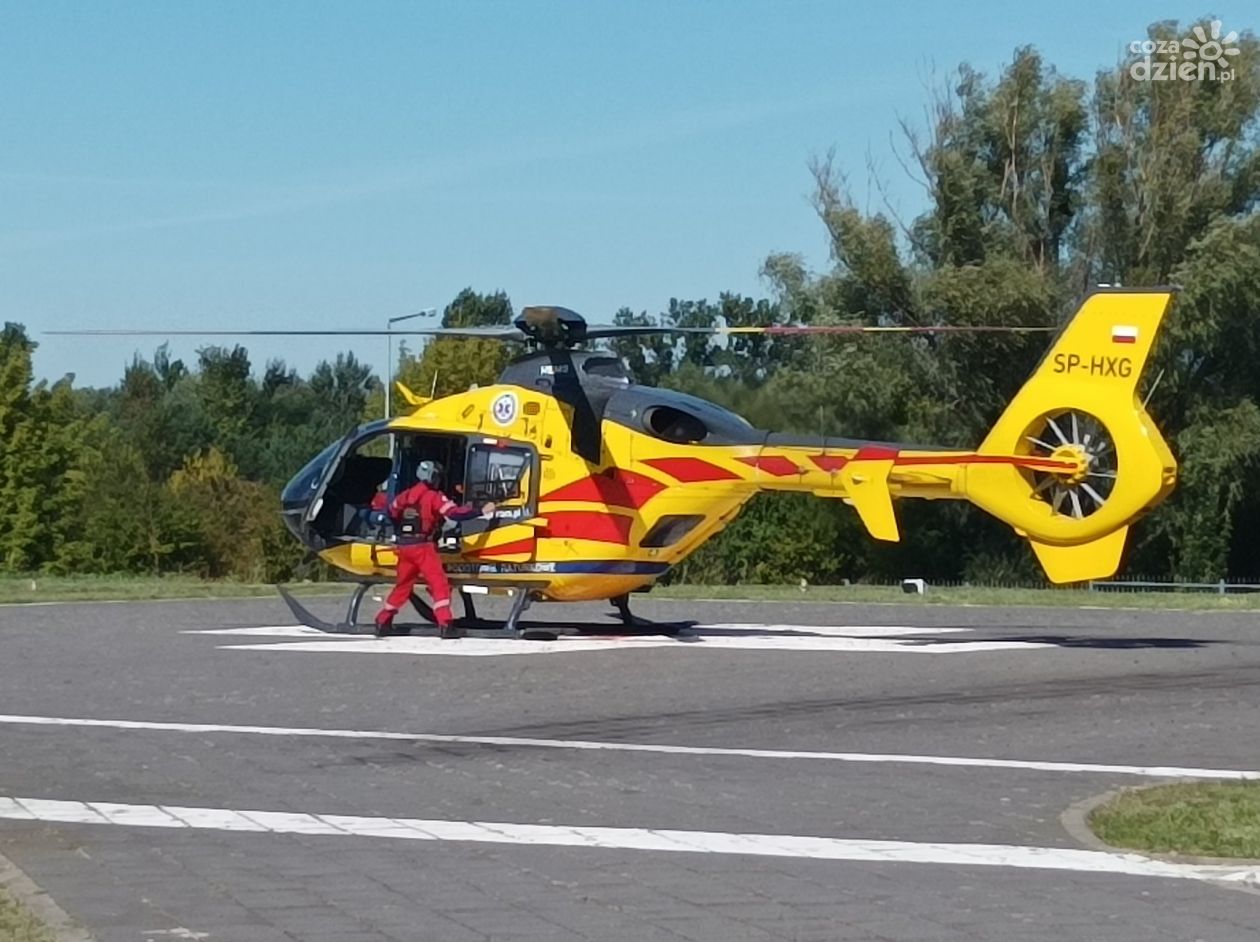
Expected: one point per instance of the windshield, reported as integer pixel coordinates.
(302, 487)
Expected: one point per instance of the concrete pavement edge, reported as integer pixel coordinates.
(15, 882)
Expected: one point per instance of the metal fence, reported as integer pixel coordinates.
(1220, 587)
(1124, 584)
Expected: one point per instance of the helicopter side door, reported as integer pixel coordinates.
(505, 473)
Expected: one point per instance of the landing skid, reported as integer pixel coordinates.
(347, 627)
(471, 626)
(468, 625)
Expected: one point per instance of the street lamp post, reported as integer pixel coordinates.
(389, 357)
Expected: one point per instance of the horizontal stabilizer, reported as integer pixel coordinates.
(866, 487)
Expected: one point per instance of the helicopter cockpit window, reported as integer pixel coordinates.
(605, 366)
(300, 490)
(674, 425)
(497, 474)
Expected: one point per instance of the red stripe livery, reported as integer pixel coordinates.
(587, 525)
(776, 465)
(614, 487)
(692, 470)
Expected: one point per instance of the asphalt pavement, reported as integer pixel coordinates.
(210, 770)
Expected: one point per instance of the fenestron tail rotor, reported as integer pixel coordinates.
(1082, 439)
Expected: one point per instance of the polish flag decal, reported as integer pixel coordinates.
(1123, 334)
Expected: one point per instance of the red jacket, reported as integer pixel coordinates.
(431, 506)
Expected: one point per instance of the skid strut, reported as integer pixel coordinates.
(520, 602)
(352, 611)
(622, 604)
(470, 610)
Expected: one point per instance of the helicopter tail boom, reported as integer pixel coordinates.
(1071, 462)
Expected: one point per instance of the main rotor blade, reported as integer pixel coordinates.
(804, 330)
(483, 333)
(596, 331)
(593, 332)
(788, 329)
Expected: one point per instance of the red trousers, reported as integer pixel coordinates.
(419, 561)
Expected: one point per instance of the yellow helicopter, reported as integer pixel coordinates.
(600, 485)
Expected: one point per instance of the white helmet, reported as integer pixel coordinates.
(428, 472)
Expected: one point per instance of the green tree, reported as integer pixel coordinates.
(43, 440)
(649, 357)
(237, 520)
(778, 538)
(126, 521)
(1169, 159)
(470, 309)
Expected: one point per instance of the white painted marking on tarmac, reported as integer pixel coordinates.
(273, 631)
(1146, 771)
(716, 629)
(622, 838)
(485, 647)
(881, 639)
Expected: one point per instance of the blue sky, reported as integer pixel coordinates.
(318, 164)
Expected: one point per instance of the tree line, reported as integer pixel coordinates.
(1037, 186)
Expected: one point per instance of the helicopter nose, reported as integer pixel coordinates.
(295, 500)
(302, 489)
(293, 522)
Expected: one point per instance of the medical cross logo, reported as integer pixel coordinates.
(504, 409)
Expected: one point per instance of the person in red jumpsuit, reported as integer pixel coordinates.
(418, 513)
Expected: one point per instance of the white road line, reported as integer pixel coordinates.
(270, 631)
(617, 838)
(1148, 771)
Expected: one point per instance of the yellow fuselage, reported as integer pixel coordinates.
(585, 534)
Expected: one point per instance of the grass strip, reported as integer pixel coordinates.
(1201, 819)
(968, 595)
(41, 588)
(18, 925)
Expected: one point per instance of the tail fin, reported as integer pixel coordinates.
(1099, 459)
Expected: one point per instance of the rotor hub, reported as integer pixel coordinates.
(1074, 454)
